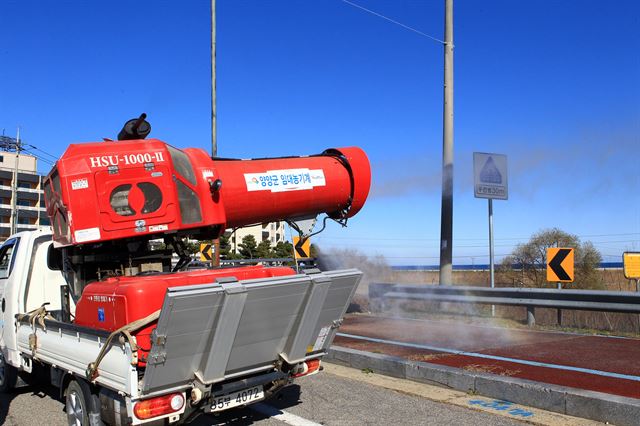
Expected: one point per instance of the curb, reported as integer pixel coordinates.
(591, 405)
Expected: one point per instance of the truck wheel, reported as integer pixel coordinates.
(8, 375)
(82, 406)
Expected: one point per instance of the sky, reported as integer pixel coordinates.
(554, 85)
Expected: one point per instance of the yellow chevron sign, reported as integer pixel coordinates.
(205, 252)
(301, 249)
(560, 264)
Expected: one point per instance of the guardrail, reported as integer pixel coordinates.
(531, 298)
(270, 261)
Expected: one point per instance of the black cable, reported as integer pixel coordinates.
(44, 152)
(39, 157)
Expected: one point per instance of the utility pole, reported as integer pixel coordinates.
(214, 133)
(214, 120)
(14, 188)
(446, 218)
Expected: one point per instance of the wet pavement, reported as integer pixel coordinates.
(608, 364)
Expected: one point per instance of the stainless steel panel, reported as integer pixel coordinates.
(210, 332)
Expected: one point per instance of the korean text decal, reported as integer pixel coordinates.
(284, 180)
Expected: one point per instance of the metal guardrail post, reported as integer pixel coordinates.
(531, 316)
(376, 295)
(559, 317)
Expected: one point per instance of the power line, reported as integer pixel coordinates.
(44, 152)
(394, 21)
(476, 239)
(398, 244)
(38, 156)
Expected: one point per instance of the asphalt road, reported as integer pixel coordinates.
(325, 399)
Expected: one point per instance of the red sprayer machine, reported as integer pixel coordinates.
(200, 333)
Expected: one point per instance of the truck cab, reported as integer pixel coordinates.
(27, 280)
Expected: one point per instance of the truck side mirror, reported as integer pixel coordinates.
(54, 258)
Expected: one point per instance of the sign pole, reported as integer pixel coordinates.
(560, 310)
(491, 268)
(638, 289)
(490, 180)
(295, 257)
(560, 268)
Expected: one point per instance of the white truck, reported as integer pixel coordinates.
(216, 346)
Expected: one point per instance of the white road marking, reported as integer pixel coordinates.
(283, 416)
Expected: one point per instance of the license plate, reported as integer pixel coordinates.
(236, 399)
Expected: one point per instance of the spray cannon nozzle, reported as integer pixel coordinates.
(136, 128)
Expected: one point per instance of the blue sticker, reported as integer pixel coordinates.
(101, 314)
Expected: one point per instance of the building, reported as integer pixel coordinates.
(273, 232)
(29, 196)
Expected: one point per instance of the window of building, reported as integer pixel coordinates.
(24, 203)
(44, 221)
(24, 221)
(1, 158)
(23, 184)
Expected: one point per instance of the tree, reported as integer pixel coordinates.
(526, 264)
(225, 247)
(191, 247)
(263, 250)
(233, 256)
(248, 247)
(283, 249)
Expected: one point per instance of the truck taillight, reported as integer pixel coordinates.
(307, 368)
(159, 406)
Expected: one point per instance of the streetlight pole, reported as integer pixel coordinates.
(446, 218)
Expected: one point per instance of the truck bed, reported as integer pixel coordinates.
(210, 333)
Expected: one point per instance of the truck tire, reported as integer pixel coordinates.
(8, 375)
(82, 405)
